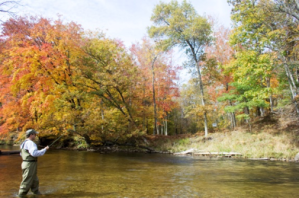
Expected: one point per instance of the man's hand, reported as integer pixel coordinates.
(47, 147)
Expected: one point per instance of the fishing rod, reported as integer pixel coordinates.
(55, 140)
(59, 138)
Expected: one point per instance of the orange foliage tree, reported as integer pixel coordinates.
(157, 84)
(37, 67)
(216, 79)
(55, 77)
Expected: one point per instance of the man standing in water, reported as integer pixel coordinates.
(29, 153)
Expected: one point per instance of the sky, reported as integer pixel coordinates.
(126, 20)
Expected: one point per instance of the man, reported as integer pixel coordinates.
(29, 153)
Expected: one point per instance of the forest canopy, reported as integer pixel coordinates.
(58, 78)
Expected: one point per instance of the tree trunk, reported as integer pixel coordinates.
(87, 139)
(262, 111)
(248, 120)
(202, 99)
(154, 98)
(165, 124)
(102, 114)
(292, 84)
(233, 116)
(246, 110)
(196, 60)
(270, 97)
(230, 115)
(291, 80)
(143, 123)
(147, 131)
(297, 74)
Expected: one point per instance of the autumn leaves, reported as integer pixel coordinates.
(56, 77)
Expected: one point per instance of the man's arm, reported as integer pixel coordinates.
(32, 148)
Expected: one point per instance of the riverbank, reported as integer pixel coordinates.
(258, 145)
(254, 145)
(249, 145)
(274, 137)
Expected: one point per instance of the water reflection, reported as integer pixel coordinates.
(85, 174)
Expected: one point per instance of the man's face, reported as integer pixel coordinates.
(32, 136)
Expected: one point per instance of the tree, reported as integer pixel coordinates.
(217, 80)
(180, 25)
(158, 77)
(108, 74)
(38, 61)
(290, 7)
(260, 28)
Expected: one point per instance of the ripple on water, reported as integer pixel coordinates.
(85, 174)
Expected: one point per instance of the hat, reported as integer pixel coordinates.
(31, 131)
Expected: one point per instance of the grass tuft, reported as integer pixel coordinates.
(251, 145)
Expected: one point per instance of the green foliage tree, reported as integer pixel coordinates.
(180, 25)
(256, 40)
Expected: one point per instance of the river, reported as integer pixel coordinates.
(73, 174)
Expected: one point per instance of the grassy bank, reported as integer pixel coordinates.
(251, 145)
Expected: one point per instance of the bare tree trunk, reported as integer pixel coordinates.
(292, 84)
(196, 60)
(246, 110)
(234, 119)
(158, 129)
(165, 124)
(291, 80)
(262, 111)
(166, 133)
(202, 100)
(233, 116)
(230, 115)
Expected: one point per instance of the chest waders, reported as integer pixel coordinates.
(29, 169)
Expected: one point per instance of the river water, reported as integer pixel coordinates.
(73, 174)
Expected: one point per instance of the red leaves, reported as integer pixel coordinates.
(165, 76)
